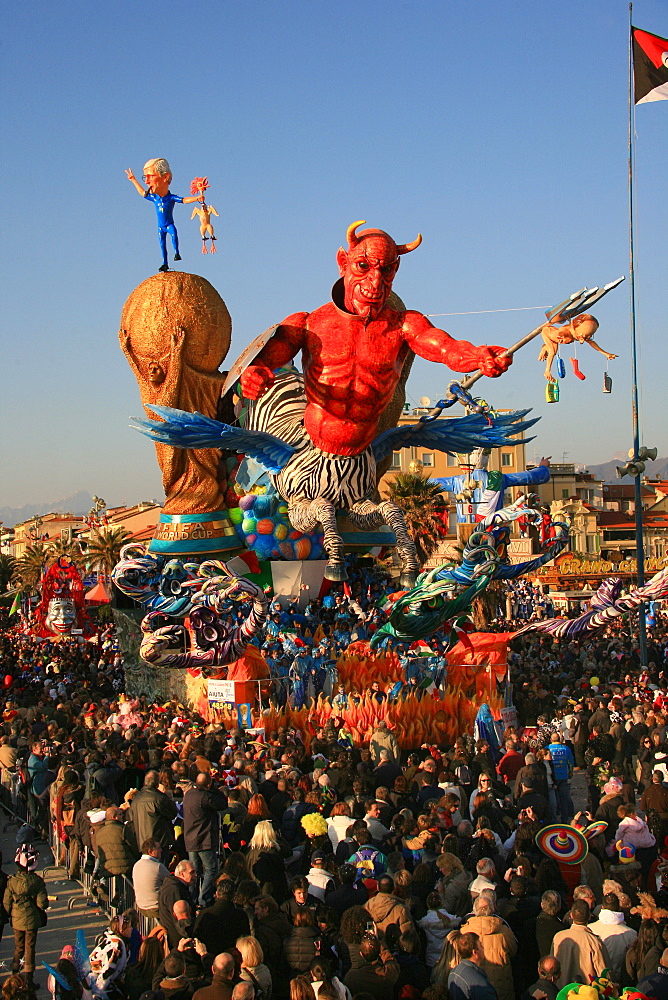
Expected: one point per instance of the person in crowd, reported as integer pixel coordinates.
(224, 979)
(498, 942)
(266, 856)
(152, 813)
(617, 935)
(139, 977)
(175, 889)
(385, 908)
(148, 874)
(201, 807)
(25, 901)
(656, 984)
(549, 972)
(582, 955)
(468, 979)
(115, 843)
(299, 948)
(453, 886)
(224, 922)
(377, 971)
(548, 922)
(253, 969)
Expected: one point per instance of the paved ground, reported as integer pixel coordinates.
(579, 790)
(63, 922)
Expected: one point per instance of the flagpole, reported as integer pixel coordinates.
(640, 551)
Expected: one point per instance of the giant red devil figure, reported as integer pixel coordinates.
(317, 434)
(354, 347)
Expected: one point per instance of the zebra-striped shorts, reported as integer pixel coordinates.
(310, 473)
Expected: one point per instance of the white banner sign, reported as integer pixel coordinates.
(508, 716)
(220, 692)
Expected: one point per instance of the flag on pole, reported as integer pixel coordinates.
(420, 648)
(650, 67)
(16, 604)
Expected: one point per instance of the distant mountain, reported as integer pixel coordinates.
(78, 504)
(607, 471)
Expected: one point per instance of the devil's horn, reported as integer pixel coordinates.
(407, 247)
(351, 236)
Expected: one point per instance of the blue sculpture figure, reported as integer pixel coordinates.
(441, 598)
(435, 602)
(158, 177)
(484, 490)
(489, 544)
(298, 675)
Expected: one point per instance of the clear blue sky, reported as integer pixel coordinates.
(499, 131)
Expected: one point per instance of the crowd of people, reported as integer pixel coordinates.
(305, 867)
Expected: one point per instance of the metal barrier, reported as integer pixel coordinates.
(112, 893)
(12, 798)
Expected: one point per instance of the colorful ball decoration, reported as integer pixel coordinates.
(562, 842)
(262, 523)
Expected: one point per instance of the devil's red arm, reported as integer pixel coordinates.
(436, 345)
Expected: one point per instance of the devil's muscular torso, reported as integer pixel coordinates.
(351, 368)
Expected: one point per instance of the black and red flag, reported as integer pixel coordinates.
(650, 67)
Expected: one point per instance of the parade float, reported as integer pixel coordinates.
(61, 611)
(270, 474)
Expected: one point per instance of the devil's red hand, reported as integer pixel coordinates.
(492, 363)
(255, 380)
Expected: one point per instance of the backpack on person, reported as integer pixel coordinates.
(463, 774)
(369, 863)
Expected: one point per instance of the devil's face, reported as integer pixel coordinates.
(368, 272)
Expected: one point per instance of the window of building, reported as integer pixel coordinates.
(428, 458)
(506, 458)
(396, 459)
(565, 494)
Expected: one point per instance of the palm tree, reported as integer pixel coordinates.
(486, 605)
(28, 568)
(7, 569)
(423, 505)
(104, 548)
(65, 547)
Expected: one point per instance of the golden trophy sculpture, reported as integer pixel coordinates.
(175, 333)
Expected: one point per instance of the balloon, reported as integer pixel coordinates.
(594, 682)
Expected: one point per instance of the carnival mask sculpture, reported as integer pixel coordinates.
(61, 615)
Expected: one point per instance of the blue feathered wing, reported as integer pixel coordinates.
(193, 430)
(455, 434)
